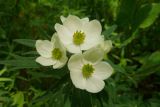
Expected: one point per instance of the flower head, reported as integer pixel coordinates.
(79, 34)
(52, 52)
(87, 71)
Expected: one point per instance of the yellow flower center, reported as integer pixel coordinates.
(78, 37)
(56, 53)
(87, 70)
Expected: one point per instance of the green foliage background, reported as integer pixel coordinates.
(132, 25)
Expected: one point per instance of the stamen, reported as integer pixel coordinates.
(87, 70)
(78, 37)
(56, 53)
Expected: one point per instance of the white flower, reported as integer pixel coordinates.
(79, 34)
(87, 71)
(51, 52)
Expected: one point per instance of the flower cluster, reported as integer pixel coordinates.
(82, 38)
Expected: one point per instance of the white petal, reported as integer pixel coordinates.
(85, 20)
(73, 48)
(102, 70)
(77, 79)
(45, 61)
(93, 55)
(94, 85)
(107, 46)
(75, 62)
(64, 34)
(93, 28)
(44, 48)
(93, 36)
(60, 63)
(54, 36)
(91, 42)
(73, 23)
(75, 66)
(58, 43)
(62, 18)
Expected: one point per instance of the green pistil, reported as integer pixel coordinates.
(56, 53)
(87, 70)
(78, 37)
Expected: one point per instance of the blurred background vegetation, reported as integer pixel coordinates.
(132, 25)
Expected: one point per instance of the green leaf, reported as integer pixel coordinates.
(109, 30)
(152, 14)
(18, 99)
(39, 75)
(5, 79)
(2, 71)
(46, 2)
(130, 39)
(152, 59)
(67, 103)
(151, 64)
(22, 63)
(146, 15)
(155, 57)
(25, 42)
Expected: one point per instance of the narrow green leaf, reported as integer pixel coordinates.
(2, 71)
(146, 15)
(22, 63)
(152, 14)
(67, 103)
(130, 39)
(5, 79)
(25, 42)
